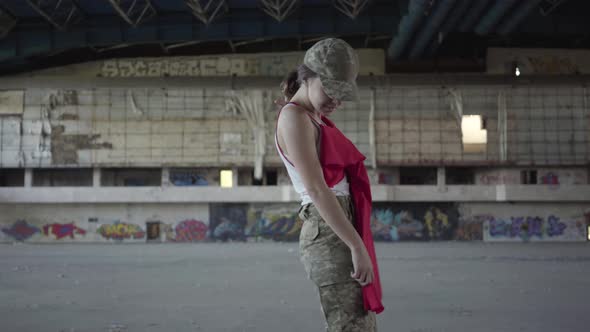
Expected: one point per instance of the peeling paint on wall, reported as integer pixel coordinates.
(12, 102)
(64, 148)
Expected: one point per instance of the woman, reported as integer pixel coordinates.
(327, 171)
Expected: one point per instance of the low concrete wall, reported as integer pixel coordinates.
(263, 221)
(276, 194)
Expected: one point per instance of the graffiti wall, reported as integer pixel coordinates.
(194, 177)
(60, 231)
(497, 177)
(228, 222)
(20, 231)
(534, 228)
(414, 221)
(189, 230)
(530, 222)
(275, 222)
(120, 231)
(390, 222)
(574, 176)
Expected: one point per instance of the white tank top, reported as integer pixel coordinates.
(339, 189)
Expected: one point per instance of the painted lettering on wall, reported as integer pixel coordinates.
(228, 221)
(190, 231)
(62, 230)
(120, 231)
(20, 230)
(276, 223)
(532, 228)
(413, 222)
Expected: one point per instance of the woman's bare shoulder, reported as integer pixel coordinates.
(294, 117)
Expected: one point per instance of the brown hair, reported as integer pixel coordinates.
(293, 80)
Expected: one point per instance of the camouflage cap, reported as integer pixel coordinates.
(337, 66)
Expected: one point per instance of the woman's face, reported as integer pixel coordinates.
(319, 99)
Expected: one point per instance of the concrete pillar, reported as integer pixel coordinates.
(165, 177)
(28, 177)
(234, 172)
(96, 172)
(441, 180)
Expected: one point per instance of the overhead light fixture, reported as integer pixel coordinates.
(515, 69)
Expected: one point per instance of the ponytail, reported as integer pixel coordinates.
(295, 78)
(290, 84)
(293, 81)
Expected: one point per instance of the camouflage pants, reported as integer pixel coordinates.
(328, 263)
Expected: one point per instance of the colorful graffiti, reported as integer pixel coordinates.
(62, 230)
(522, 227)
(228, 222)
(437, 224)
(278, 224)
(550, 178)
(498, 178)
(189, 231)
(386, 178)
(188, 179)
(391, 224)
(530, 228)
(20, 230)
(120, 231)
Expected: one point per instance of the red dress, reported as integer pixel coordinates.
(339, 158)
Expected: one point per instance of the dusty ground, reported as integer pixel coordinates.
(428, 287)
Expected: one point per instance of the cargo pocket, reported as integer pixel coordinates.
(310, 229)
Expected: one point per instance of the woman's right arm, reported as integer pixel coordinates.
(298, 133)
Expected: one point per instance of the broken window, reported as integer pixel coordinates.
(417, 175)
(131, 177)
(475, 134)
(226, 177)
(12, 177)
(528, 176)
(460, 175)
(66, 177)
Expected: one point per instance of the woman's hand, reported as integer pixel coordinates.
(363, 267)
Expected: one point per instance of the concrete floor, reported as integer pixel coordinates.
(428, 287)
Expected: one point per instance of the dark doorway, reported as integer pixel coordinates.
(153, 230)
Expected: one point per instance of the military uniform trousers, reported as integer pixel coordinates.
(328, 263)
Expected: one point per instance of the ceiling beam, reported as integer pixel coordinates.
(181, 30)
(207, 10)
(60, 13)
(418, 11)
(278, 9)
(134, 12)
(7, 22)
(351, 8)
